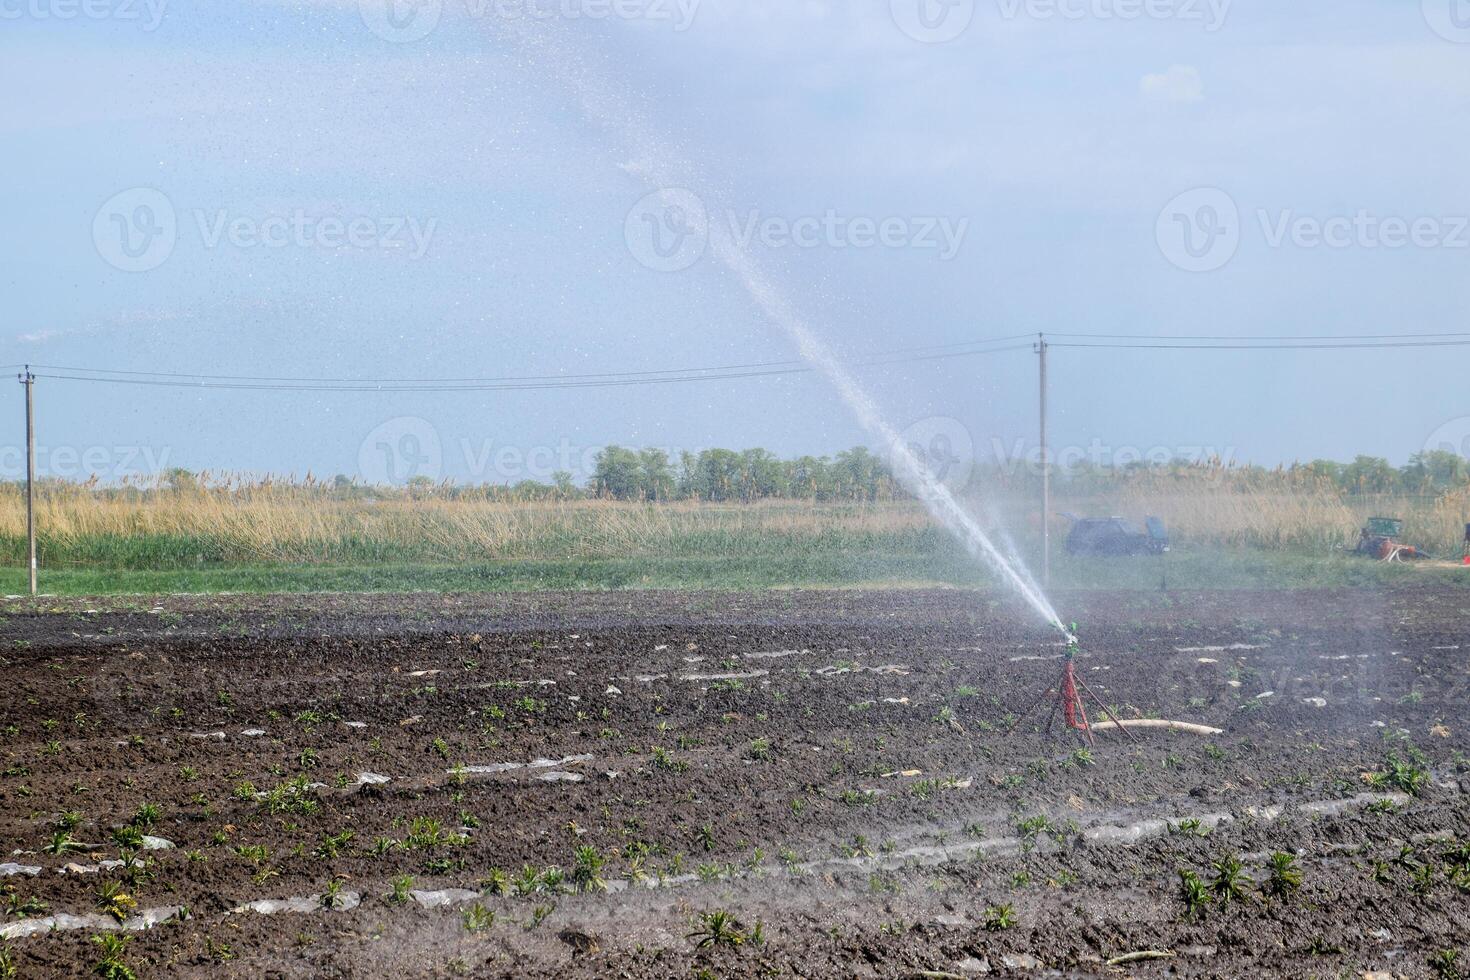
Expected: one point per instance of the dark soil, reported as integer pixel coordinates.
(852, 801)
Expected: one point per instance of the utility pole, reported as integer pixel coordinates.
(1041, 346)
(29, 380)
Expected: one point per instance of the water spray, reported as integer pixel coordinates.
(654, 159)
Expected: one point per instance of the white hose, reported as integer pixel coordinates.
(1174, 726)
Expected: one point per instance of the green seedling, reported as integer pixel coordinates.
(1285, 877)
(62, 842)
(1195, 895)
(496, 882)
(1000, 917)
(117, 903)
(111, 966)
(477, 918)
(717, 928)
(1230, 883)
(587, 874)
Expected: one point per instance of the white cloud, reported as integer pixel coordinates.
(1181, 83)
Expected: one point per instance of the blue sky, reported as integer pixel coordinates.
(492, 222)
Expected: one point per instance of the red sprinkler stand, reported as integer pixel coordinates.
(1067, 694)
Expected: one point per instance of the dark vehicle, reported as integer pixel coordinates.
(1114, 536)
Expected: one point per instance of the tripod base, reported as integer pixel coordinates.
(1066, 696)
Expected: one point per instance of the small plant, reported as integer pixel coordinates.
(1082, 759)
(332, 845)
(760, 750)
(1405, 775)
(717, 928)
(7, 964)
(128, 838)
(332, 894)
(496, 882)
(1285, 877)
(663, 760)
(62, 842)
(477, 918)
(111, 965)
(402, 885)
(1230, 883)
(291, 796)
(1421, 879)
(146, 817)
(217, 951)
(23, 908)
(528, 881)
(587, 875)
(1189, 826)
(117, 903)
(999, 917)
(1195, 895)
(1445, 964)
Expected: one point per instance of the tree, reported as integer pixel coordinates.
(565, 488)
(657, 474)
(761, 475)
(1369, 474)
(716, 475)
(618, 474)
(1437, 469)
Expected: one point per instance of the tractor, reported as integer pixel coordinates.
(1380, 540)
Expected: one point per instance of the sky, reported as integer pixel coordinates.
(431, 190)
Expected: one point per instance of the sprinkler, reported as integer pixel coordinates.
(1066, 695)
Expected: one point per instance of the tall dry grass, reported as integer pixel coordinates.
(1278, 510)
(304, 522)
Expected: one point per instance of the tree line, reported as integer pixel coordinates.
(853, 475)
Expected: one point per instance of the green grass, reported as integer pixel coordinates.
(834, 567)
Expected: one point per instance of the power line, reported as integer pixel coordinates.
(940, 351)
(449, 385)
(757, 369)
(1247, 337)
(1281, 346)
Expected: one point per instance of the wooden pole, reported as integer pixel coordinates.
(29, 380)
(1045, 474)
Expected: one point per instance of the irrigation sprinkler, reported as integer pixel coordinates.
(1066, 695)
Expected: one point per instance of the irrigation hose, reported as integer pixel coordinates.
(1157, 723)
